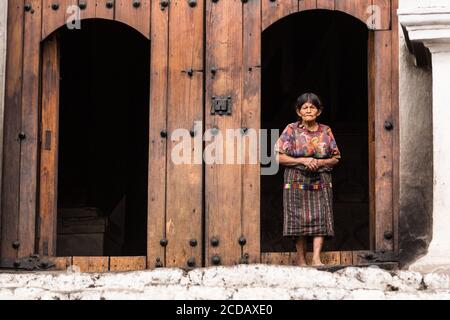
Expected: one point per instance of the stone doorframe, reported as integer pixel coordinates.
(427, 33)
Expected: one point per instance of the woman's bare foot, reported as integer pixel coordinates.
(317, 262)
(301, 263)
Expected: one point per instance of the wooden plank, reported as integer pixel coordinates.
(346, 258)
(223, 182)
(290, 258)
(251, 115)
(325, 4)
(54, 19)
(279, 258)
(12, 116)
(383, 140)
(396, 132)
(307, 5)
(127, 263)
(185, 98)
(360, 9)
(89, 11)
(28, 150)
(91, 264)
(3, 46)
(102, 11)
(137, 18)
(382, 14)
(61, 263)
(273, 11)
(48, 203)
(327, 258)
(157, 147)
(371, 138)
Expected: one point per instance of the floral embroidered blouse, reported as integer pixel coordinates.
(298, 141)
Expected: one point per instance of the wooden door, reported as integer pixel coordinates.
(176, 94)
(18, 212)
(233, 69)
(54, 19)
(48, 147)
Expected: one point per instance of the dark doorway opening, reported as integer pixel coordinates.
(324, 52)
(103, 140)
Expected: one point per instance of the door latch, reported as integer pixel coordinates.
(221, 105)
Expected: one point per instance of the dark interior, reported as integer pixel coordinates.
(103, 140)
(324, 52)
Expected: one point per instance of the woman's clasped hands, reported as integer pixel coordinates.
(311, 163)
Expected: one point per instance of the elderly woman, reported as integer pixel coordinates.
(309, 152)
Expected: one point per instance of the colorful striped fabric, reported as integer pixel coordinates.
(307, 212)
(304, 186)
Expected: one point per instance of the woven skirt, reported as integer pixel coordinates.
(307, 212)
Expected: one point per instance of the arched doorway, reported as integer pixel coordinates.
(325, 52)
(94, 153)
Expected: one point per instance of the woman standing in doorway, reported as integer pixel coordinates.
(309, 151)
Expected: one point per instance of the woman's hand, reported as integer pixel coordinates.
(311, 163)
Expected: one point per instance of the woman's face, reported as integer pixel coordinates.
(308, 112)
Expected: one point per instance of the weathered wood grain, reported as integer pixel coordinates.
(273, 11)
(127, 263)
(28, 149)
(185, 98)
(137, 18)
(251, 115)
(223, 182)
(91, 264)
(12, 126)
(158, 144)
(48, 185)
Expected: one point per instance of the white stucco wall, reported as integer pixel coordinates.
(416, 150)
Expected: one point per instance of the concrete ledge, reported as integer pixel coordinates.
(261, 282)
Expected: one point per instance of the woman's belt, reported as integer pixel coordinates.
(305, 186)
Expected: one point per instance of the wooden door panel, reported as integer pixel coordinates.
(275, 10)
(12, 122)
(49, 148)
(136, 17)
(223, 182)
(28, 151)
(358, 9)
(251, 115)
(185, 98)
(55, 16)
(396, 121)
(89, 11)
(103, 11)
(325, 4)
(307, 5)
(383, 154)
(383, 8)
(156, 229)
